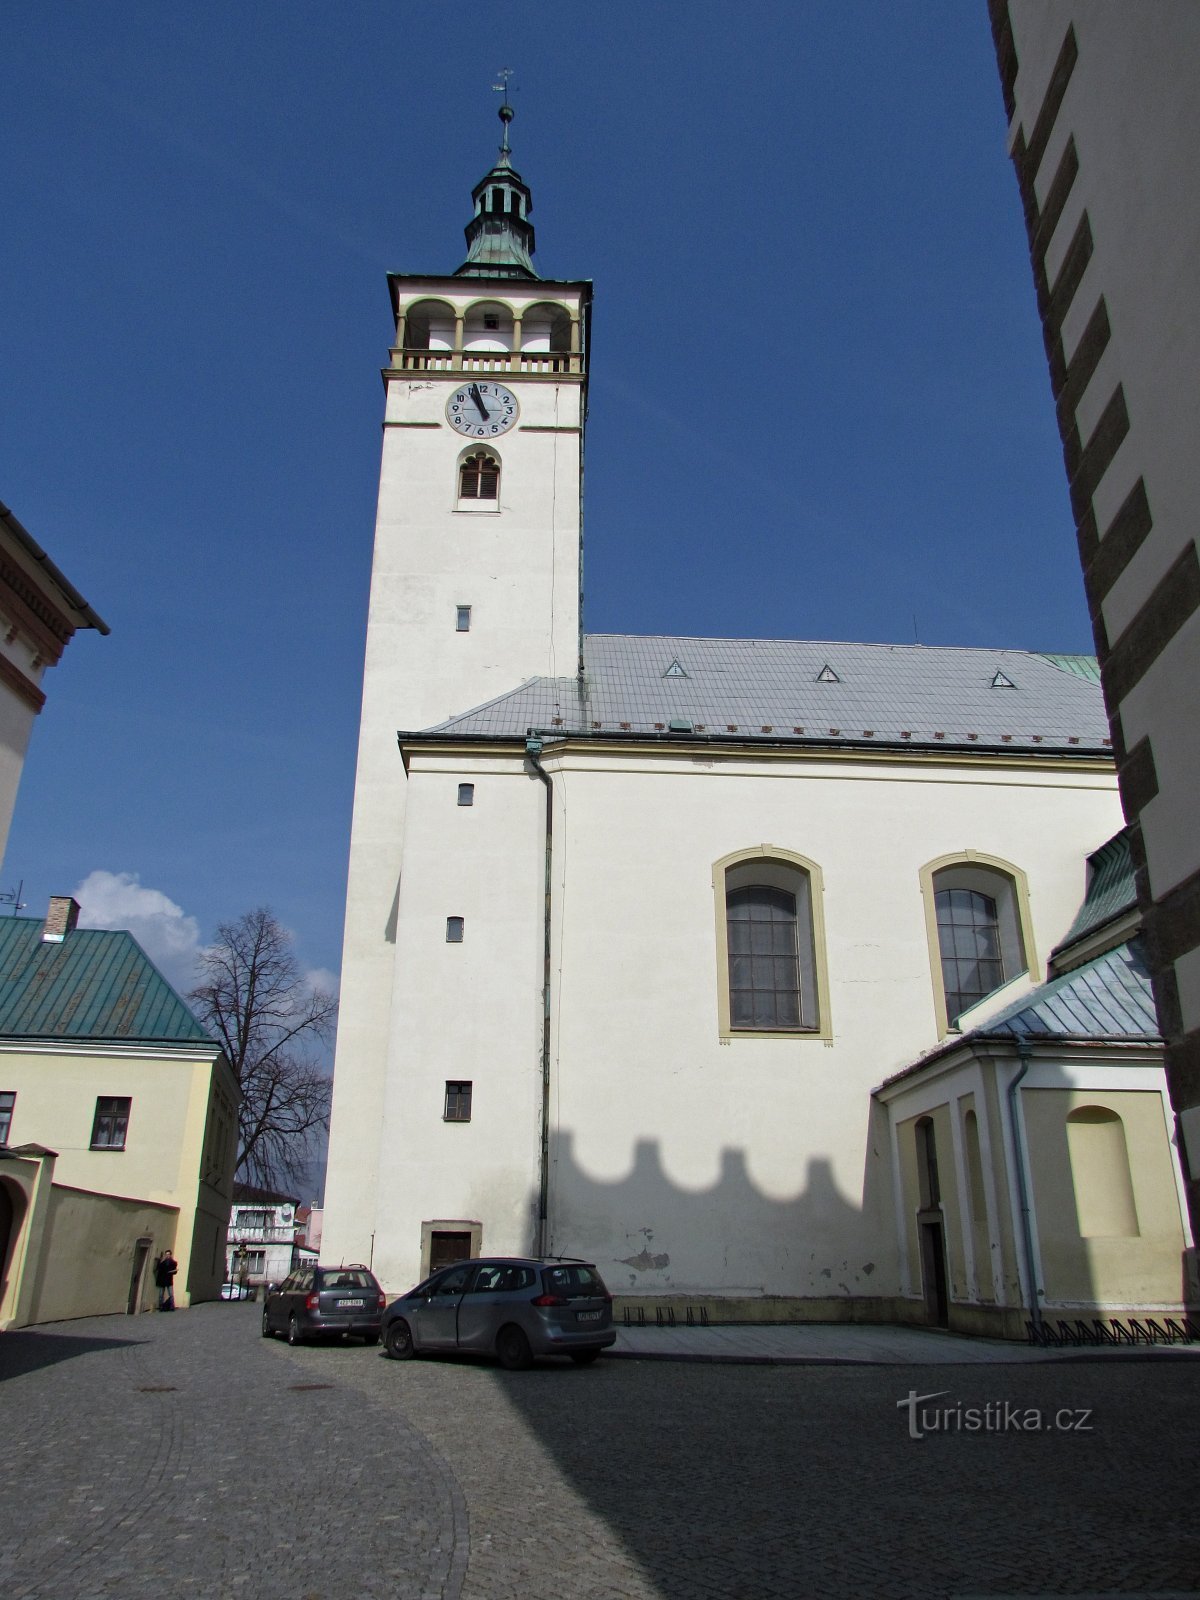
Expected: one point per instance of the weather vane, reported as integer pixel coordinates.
(506, 111)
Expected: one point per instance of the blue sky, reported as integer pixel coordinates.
(819, 402)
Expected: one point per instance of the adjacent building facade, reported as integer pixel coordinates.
(118, 1126)
(263, 1241)
(1035, 1179)
(635, 926)
(39, 612)
(1104, 126)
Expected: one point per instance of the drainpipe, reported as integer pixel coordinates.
(533, 750)
(1022, 1177)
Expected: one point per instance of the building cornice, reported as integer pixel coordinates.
(148, 1049)
(20, 684)
(884, 753)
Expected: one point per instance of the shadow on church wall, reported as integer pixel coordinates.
(652, 1237)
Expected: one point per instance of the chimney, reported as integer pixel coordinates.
(60, 918)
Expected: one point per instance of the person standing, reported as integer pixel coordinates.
(164, 1278)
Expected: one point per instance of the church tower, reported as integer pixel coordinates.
(475, 587)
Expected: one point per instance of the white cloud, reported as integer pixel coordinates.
(321, 978)
(168, 936)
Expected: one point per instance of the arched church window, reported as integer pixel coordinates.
(969, 936)
(979, 924)
(479, 477)
(773, 976)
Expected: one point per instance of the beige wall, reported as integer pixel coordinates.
(989, 1281)
(73, 1253)
(180, 1145)
(1143, 1269)
(89, 1252)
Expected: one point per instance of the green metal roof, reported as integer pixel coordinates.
(1111, 889)
(97, 985)
(1082, 666)
(1108, 998)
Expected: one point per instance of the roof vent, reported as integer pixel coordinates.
(1002, 682)
(827, 675)
(679, 725)
(61, 918)
(675, 670)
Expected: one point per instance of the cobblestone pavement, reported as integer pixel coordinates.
(187, 1454)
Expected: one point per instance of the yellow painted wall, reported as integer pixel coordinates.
(179, 1150)
(1144, 1269)
(88, 1252)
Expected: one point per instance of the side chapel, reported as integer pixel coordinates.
(682, 954)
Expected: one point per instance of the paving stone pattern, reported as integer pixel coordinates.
(176, 1454)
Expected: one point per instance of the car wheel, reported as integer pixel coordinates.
(294, 1335)
(512, 1348)
(398, 1341)
(584, 1358)
(370, 1338)
(266, 1324)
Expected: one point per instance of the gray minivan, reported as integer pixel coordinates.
(512, 1307)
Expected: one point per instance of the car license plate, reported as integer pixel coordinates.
(346, 1303)
(587, 1316)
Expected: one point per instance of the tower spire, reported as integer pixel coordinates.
(500, 235)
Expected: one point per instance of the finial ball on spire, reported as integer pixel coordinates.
(506, 113)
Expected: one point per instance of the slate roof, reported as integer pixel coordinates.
(97, 985)
(804, 691)
(1111, 890)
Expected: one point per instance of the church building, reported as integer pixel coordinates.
(637, 926)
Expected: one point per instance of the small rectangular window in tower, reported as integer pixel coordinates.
(462, 619)
(466, 794)
(111, 1122)
(458, 1103)
(454, 930)
(7, 1101)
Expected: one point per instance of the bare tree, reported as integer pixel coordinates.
(255, 998)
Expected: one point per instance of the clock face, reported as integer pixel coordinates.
(480, 410)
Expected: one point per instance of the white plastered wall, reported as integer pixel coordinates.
(683, 1163)
(518, 569)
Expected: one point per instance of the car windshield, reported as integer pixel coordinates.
(574, 1280)
(344, 1278)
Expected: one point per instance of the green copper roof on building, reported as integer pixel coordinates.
(96, 985)
(499, 236)
(1082, 666)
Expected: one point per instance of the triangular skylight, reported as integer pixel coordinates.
(675, 670)
(827, 675)
(1000, 681)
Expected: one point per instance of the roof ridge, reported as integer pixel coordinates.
(856, 644)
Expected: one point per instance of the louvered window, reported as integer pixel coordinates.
(479, 477)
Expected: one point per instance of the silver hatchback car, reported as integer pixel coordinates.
(512, 1307)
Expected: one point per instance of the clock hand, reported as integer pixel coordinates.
(473, 391)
